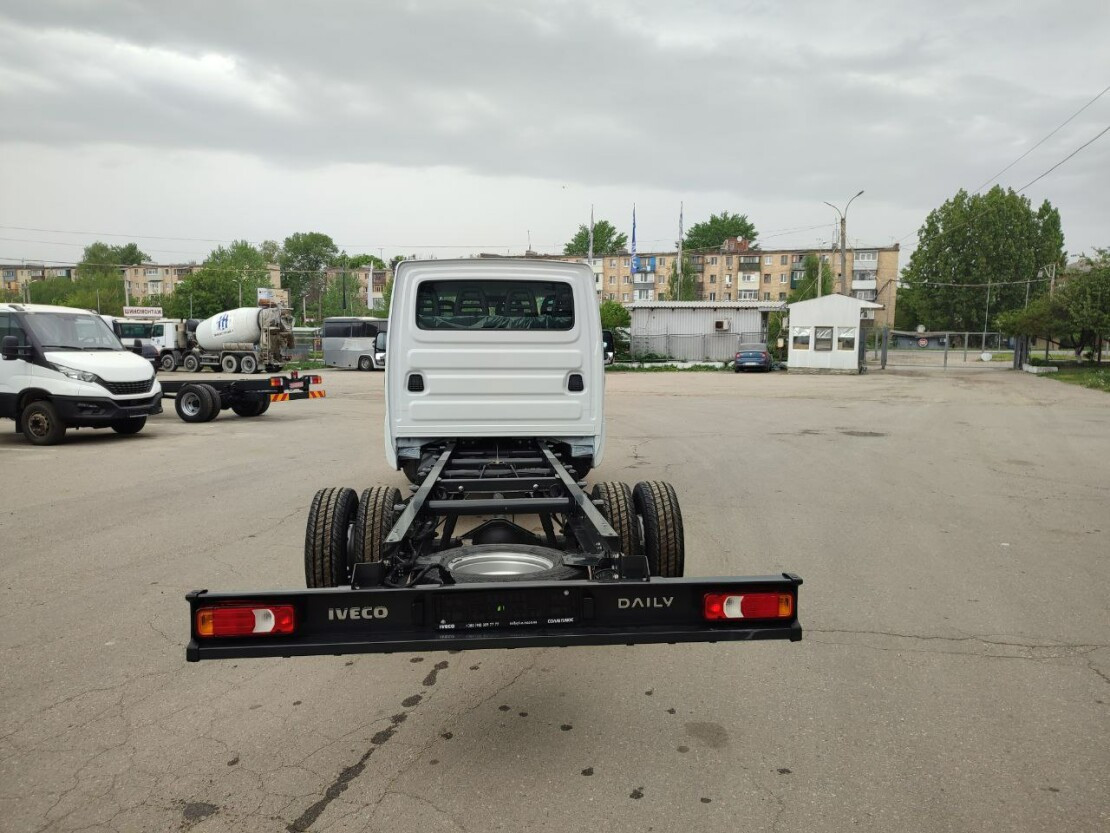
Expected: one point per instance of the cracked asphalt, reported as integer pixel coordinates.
(953, 532)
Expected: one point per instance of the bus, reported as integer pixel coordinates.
(355, 342)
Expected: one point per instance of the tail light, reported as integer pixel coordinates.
(737, 355)
(315, 380)
(724, 606)
(275, 381)
(246, 620)
(766, 355)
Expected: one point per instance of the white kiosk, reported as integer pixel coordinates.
(826, 334)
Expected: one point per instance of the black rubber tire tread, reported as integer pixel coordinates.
(325, 539)
(664, 542)
(129, 426)
(365, 363)
(55, 430)
(229, 363)
(248, 364)
(214, 402)
(167, 362)
(374, 519)
(617, 507)
(251, 407)
(560, 572)
(179, 398)
(191, 363)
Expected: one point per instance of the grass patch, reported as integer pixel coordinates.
(1094, 377)
(669, 368)
(310, 364)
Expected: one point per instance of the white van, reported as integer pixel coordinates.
(65, 368)
(494, 348)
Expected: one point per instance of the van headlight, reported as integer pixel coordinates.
(79, 375)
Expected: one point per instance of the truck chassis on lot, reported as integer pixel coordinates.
(202, 401)
(387, 574)
(494, 410)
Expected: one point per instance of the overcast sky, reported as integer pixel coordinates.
(446, 128)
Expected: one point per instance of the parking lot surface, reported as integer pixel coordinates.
(952, 531)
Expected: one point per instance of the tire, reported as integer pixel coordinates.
(248, 364)
(215, 402)
(375, 517)
(617, 507)
(41, 425)
(167, 362)
(191, 403)
(229, 363)
(129, 426)
(664, 544)
(325, 540)
(365, 363)
(191, 363)
(558, 572)
(251, 407)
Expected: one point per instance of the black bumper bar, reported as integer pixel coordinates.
(500, 615)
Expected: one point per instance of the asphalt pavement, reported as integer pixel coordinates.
(952, 529)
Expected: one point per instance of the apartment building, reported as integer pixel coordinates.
(367, 281)
(14, 276)
(149, 280)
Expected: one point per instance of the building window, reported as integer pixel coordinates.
(866, 294)
(748, 295)
(766, 277)
(150, 272)
(799, 338)
(712, 278)
(798, 258)
(728, 260)
(753, 259)
(662, 261)
(612, 279)
(712, 296)
(728, 296)
(846, 338)
(624, 262)
(712, 261)
(822, 338)
(865, 256)
(766, 296)
(624, 296)
(782, 296)
(783, 260)
(728, 280)
(613, 261)
(783, 278)
(768, 260)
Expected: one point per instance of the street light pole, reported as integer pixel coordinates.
(843, 287)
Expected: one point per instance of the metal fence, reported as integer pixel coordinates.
(691, 347)
(942, 349)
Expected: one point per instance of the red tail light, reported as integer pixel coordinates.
(275, 381)
(737, 355)
(246, 620)
(724, 606)
(315, 379)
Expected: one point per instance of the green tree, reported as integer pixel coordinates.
(980, 244)
(1086, 297)
(607, 240)
(101, 259)
(387, 296)
(271, 250)
(228, 274)
(359, 261)
(614, 316)
(303, 259)
(717, 229)
(684, 288)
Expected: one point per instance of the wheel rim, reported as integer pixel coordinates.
(249, 365)
(364, 364)
(39, 424)
(499, 563)
(229, 365)
(190, 403)
(167, 362)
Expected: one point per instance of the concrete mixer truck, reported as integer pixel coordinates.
(247, 340)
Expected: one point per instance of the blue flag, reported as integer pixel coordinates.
(635, 260)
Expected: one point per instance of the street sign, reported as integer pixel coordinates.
(142, 312)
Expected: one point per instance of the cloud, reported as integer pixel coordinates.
(773, 103)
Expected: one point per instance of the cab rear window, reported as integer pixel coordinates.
(494, 305)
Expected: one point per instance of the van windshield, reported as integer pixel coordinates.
(494, 305)
(66, 331)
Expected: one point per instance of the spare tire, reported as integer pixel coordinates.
(504, 563)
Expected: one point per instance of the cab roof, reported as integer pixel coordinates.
(17, 307)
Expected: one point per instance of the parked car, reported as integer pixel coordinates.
(752, 356)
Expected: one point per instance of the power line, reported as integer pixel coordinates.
(1045, 139)
(1102, 133)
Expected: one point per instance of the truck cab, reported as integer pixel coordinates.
(494, 348)
(65, 368)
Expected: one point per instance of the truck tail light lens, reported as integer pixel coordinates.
(275, 381)
(246, 620)
(724, 606)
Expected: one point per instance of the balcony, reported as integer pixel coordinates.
(647, 278)
(864, 283)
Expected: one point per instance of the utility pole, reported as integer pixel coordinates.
(842, 284)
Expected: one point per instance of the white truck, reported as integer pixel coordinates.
(495, 411)
(247, 339)
(64, 368)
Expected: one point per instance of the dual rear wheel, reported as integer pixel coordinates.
(344, 530)
(647, 519)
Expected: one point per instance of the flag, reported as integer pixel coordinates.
(634, 260)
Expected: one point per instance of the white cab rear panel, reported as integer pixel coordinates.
(501, 382)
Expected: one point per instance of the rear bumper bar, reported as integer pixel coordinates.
(502, 615)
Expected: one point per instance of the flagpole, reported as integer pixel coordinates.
(678, 267)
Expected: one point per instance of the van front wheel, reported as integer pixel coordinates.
(41, 425)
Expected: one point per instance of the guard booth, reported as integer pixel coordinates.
(827, 335)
